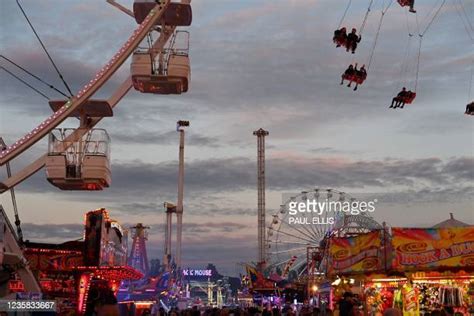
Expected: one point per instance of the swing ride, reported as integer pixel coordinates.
(350, 41)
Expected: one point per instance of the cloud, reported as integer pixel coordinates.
(165, 138)
(238, 173)
(48, 232)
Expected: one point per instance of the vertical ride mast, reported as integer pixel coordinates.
(261, 133)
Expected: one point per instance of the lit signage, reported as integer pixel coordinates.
(197, 273)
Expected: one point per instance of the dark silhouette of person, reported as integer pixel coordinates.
(346, 305)
(361, 75)
(411, 3)
(396, 101)
(470, 109)
(352, 40)
(340, 36)
(347, 75)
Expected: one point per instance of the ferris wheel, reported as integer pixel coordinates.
(290, 235)
(78, 158)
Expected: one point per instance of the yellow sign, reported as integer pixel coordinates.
(428, 248)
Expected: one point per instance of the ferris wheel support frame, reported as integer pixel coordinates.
(89, 89)
(121, 91)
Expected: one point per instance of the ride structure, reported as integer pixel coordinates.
(79, 158)
(92, 111)
(262, 257)
(289, 241)
(138, 258)
(180, 125)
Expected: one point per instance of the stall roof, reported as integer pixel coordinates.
(451, 222)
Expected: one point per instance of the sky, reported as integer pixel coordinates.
(255, 64)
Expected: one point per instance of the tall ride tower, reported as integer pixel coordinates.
(180, 125)
(138, 258)
(261, 133)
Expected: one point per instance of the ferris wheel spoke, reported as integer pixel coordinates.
(287, 251)
(294, 236)
(310, 231)
(311, 237)
(290, 242)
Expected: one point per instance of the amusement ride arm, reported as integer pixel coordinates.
(89, 89)
(39, 163)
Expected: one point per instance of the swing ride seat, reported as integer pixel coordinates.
(357, 78)
(175, 81)
(177, 14)
(91, 108)
(409, 98)
(84, 165)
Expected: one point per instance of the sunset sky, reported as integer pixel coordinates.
(255, 63)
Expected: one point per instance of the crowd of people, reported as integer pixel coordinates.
(348, 306)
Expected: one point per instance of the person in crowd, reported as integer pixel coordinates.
(448, 311)
(346, 305)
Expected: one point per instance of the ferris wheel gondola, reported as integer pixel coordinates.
(169, 72)
(177, 14)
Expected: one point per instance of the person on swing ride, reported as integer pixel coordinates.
(406, 97)
(470, 109)
(361, 75)
(352, 40)
(340, 36)
(396, 101)
(410, 3)
(348, 74)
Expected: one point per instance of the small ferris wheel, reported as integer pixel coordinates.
(291, 233)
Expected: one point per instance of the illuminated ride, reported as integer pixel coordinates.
(73, 271)
(292, 234)
(78, 158)
(176, 74)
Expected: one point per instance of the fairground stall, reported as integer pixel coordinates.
(418, 270)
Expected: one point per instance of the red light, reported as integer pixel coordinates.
(92, 187)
